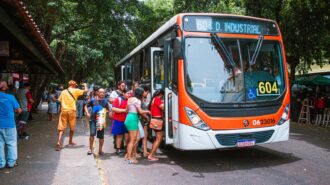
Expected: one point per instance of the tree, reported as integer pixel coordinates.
(215, 6)
(87, 37)
(304, 25)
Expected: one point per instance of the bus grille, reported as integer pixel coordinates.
(231, 139)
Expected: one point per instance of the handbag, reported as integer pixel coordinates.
(156, 124)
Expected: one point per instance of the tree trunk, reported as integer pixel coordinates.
(38, 84)
(293, 61)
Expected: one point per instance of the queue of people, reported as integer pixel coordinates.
(128, 110)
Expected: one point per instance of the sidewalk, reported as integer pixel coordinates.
(40, 164)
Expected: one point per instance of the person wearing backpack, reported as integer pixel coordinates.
(97, 118)
(67, 117)
(119, 109)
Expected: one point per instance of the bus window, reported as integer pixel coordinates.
(136, 68)
(146, 67)
(158, 70)
(233, 82)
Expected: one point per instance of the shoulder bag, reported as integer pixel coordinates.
(156, 123)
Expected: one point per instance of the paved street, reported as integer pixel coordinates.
(304, 159)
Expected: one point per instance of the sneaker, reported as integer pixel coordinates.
(24, 137)
(25, 134)
(119, 152)
(15, 165)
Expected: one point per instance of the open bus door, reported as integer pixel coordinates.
(161, 78)
(171, 98)
(157, 69)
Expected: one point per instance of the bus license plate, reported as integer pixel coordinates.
(245, 142)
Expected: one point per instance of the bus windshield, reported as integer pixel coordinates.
(210, 77)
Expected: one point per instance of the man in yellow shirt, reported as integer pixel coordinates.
(67, 117)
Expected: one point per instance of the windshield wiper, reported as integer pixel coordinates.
(223, 51)
(257, 50)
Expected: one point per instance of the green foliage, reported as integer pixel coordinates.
(89, 37)
(304, 25)
(214, 6)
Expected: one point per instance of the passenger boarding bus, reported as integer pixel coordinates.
(225, 80)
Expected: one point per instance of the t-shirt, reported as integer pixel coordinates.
(134, 105)
(97, 105)
(8, 104)
(22, 98)
(67, 101)
(120, 105)
(155, 107)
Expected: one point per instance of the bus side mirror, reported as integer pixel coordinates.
(177, 48)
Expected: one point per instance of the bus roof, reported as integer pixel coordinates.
(174, 20)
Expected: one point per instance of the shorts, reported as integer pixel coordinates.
(24, 117)
(132, 121)
(118, 128)
(92, 130)
(67, 117)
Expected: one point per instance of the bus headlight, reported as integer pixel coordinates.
(195, 120)
(285, 115)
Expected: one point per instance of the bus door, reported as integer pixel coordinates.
(157, 69)
(157, 73)
(171, 98)
(161, 78)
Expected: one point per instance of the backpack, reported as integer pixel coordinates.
(95, 103)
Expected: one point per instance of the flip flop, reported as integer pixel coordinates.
(132, 161)
(101, 153)
(152, 159)
(58, 147)
(89, 152)
(72, 144)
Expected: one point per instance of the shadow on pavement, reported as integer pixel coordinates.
(40, 164)
(36, 157)
(226, 160)
(316, 135)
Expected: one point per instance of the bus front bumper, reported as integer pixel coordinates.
(191, 138)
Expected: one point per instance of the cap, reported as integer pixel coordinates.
(72, 83)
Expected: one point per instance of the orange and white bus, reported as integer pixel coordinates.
(225, 80)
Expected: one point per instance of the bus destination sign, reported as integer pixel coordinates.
(229, 25)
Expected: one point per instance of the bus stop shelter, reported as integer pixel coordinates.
(23, 48)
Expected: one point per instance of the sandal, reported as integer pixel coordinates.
(72, 144)
(146, 154)
(101, 153)
(152, 159)
(132, 161)
(58, 147)
(89, 152)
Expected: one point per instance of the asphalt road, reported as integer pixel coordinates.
(304, 159)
